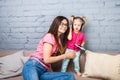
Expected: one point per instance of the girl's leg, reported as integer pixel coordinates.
(76, 63)
(57, 76)
(32, 70)
(65, 62)
(65, 65)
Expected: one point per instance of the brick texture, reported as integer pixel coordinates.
(24, 22)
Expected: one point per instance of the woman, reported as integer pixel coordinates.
(37, 67)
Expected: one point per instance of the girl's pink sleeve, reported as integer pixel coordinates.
(84, 38)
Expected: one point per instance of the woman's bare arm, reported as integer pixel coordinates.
(47, 52)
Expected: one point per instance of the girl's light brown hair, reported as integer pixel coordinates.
(83, 19)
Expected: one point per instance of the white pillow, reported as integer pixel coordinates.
(102, 66)
(10, 64)
(24, 59)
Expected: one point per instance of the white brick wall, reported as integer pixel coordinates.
(24, 22)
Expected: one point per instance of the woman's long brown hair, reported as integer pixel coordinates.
(54, 30)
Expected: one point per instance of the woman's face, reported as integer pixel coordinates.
(63, 26)
(77, 25)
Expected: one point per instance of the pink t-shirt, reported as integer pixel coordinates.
(48, 38)
(76, 39)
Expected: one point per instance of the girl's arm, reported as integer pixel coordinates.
(70, 34)
(83, 43)
(47, 52)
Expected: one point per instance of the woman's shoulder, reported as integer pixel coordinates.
(48, 36)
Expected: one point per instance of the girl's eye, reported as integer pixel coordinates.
(75, 24)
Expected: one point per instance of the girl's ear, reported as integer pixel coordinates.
(84, 18)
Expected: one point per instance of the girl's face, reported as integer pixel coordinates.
(62, 27)
(77, 25)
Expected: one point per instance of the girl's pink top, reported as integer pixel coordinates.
(76, 39)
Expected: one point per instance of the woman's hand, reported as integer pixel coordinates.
(70, 55)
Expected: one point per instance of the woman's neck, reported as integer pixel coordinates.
(59, 34)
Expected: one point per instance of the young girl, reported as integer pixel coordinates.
(37, 67)
(75, 37)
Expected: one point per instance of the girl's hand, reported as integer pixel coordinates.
(70, 55)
